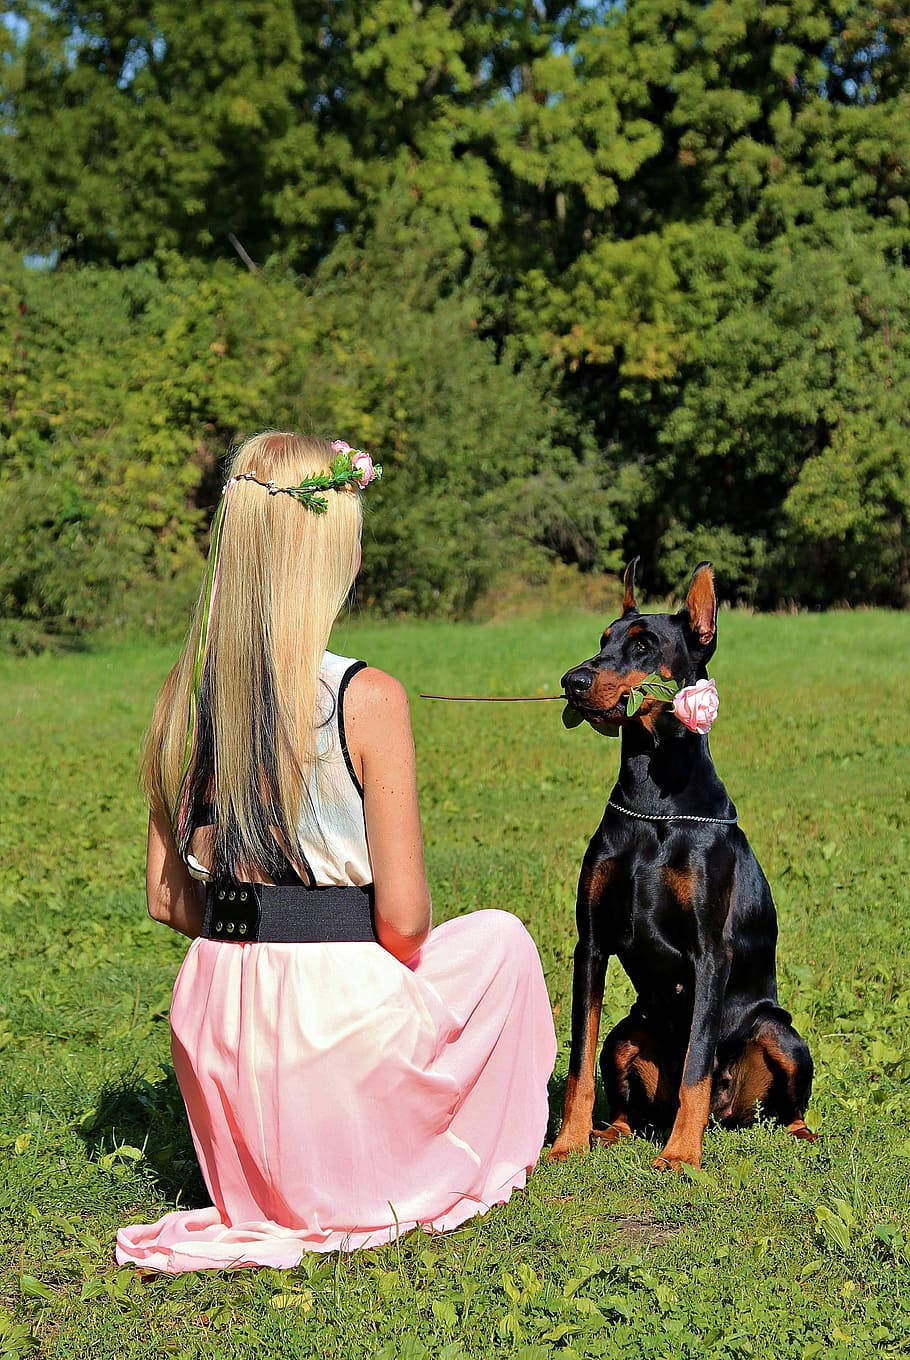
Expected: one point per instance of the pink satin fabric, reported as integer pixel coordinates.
(338, 1098)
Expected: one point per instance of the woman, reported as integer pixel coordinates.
(348, 1073)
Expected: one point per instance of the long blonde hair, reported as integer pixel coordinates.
(284, 574)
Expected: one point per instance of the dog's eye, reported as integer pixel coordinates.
(641, 645)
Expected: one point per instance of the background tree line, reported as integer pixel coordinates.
(591, 278)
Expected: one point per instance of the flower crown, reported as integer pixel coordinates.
(349, 467)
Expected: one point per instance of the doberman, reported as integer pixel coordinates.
(670, 885)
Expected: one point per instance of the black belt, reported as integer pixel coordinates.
(278, 914)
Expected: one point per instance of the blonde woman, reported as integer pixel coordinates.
(348, 1072)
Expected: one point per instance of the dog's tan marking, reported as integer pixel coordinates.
(685, 1141)
(681, 885)
(752, 1079)
(649, 1075)
(575, 1132)
(785, 1061)
(620, 1128)
(596, 878)
(629, 605)
(609, 687)
(799, 1130)
(701, 603)
(629, 1055)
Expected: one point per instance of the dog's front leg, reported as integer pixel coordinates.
(712, 969)
(588, 975)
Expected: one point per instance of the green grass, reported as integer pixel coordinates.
(776, 1249)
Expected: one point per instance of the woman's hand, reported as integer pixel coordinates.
(174, 896)
(381, 745)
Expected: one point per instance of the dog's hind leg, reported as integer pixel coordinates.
(637, 1080)
(792, 1064)
(774, 1072)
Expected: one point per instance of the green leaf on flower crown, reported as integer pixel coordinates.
(310, 498)
(571, 717)
(342, 464)
(634, 702)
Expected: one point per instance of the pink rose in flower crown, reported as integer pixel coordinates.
(363, 463)
(696, 706)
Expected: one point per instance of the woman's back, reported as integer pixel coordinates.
(343, 1084)
(331, 829)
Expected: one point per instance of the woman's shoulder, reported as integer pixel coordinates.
(369, 682)
(376, 708)
(371, 689)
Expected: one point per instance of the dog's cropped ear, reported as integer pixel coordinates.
(700, 609)
(629, 605)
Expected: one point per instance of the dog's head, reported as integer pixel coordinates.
(676, 646)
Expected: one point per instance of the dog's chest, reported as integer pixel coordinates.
(654, 934)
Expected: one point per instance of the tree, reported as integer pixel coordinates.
(638, 270)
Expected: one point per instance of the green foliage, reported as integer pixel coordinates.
(145, 127)
(775, 1248)
(123, 390)
(796, 386)
(640, 271)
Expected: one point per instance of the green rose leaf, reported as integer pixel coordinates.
(663, 690)
(571, 717)
(654, 685)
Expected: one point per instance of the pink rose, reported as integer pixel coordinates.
(363, 463)
(339, 446)
(696, 706)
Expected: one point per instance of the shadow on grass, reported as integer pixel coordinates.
(556, 1094)
(151, 1116)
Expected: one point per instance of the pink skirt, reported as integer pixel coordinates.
(338, 1098)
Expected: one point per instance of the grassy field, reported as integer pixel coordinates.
(775, 1249)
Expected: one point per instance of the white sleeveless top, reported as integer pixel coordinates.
(331, 827)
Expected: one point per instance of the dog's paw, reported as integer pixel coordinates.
(611, 1135)
(675, 1161)
(799, 1130)
(568, 1141)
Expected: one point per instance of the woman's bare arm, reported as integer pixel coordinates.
(174, 896)
(381, 745)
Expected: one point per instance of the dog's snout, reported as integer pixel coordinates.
(579, 681)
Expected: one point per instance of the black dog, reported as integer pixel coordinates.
(669, 884)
